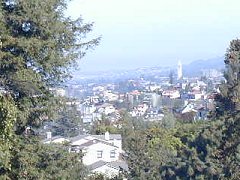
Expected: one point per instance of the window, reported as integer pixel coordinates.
(99, 154)
(112, 154)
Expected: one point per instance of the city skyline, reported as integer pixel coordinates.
(156, 33)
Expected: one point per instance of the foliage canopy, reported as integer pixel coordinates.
(38, 46)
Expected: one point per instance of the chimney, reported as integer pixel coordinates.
(107, 136)
(49, 135)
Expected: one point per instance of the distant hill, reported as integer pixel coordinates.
(193, 69)
(196, 67)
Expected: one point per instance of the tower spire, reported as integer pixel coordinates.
(179, 70)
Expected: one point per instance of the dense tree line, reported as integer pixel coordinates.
(206, 150)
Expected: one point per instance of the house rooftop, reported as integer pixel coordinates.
(111, 136)
(76, 138)
(119, 164)
(52, 139)
(114, 164)
(97, 165)
(100, 137)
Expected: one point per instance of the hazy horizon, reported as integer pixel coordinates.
(156, 32)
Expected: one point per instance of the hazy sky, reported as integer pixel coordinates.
(140, 33)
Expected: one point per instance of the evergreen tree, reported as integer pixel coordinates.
(229, 98)
(229, 102)
(35, 160)
(38, 45)
(7, 119)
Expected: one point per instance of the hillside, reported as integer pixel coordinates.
(196, 67)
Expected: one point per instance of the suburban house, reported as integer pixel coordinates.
(106, 109)
(188, 108)
(139, 111)
(194, 110)
(172, 94)
(55, 139)
(109, 96)
(108, 168)
(153, 114)
(102, 153)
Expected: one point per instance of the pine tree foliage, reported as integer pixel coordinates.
(207, 150)
(8, 113)
(34, 160)
(229, 99)
(38, 45)
(229, 102)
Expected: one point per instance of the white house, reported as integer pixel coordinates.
(110, 169)
(108, 95)
(188, 108)
(55, 139)
(99, 152)
(173, 94)
(140, 110)
(106, 109)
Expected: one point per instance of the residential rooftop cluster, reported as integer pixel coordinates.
(143, 98)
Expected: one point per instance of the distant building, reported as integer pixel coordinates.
(58, 91)
(156, 100)
(154, 114)
(211, 73)
(139, 110)
(56, 139)
(172, 94)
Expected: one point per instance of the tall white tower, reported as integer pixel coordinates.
(179, 70)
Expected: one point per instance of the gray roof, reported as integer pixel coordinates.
(111, 136)
(119, 164)
(53, 138)
(96, 165)
(101, 137)
(88, 143)
(91, 142)
(114, 164)
(76, 138)
(94, 141)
